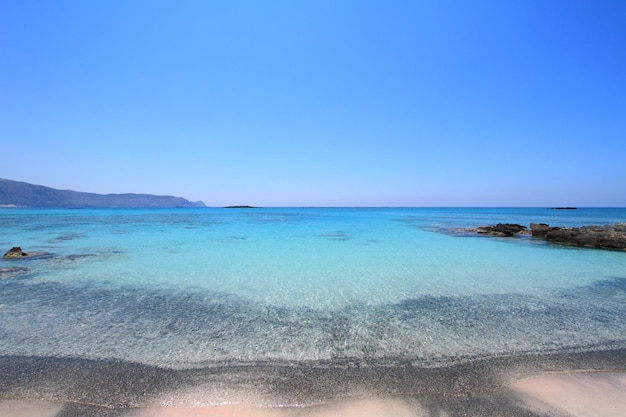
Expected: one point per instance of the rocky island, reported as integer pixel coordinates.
(600, 237)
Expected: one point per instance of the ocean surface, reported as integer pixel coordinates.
(218, 300)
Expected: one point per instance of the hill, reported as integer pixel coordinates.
(22, 194)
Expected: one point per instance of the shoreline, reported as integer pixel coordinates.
(575, 393)
(57, 387)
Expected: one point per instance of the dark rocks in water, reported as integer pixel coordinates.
(15, 252)
(502, 229)
(540, 229)
(603, 237)
(239, 207)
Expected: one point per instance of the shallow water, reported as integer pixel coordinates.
(301, 288)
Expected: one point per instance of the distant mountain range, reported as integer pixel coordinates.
(22, 194)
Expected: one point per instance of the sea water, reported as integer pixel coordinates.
(203, 288)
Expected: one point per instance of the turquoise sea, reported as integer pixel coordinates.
(294, 306)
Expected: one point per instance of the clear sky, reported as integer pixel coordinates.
(318, 103)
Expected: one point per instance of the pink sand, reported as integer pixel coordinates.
(29, 408)
(357, 408)
(581, 394)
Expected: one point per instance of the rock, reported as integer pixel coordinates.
(540, 229)
(604, 237)
(15, 252)
(502, 229)
(601, 237)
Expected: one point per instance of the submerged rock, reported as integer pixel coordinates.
(11, 272)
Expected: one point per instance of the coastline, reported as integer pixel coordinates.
(573, 393)
(469, 333)
(510, 386)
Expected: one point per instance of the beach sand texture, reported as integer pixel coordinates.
(576, 394)
(29, 408)
(573, 394)
(357, 408)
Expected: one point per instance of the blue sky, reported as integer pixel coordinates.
(319, 103)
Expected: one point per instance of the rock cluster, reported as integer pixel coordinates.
(502, 229)
(15, 252)
(602, 237)
(605, 237)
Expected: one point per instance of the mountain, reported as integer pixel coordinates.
(22, 194)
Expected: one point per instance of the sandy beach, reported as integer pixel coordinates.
(357, 408)
(582, 394)
(29, 408)
(577, 394)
